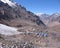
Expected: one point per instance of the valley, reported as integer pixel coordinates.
(20, 28)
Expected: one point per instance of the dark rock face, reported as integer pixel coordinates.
(8, 13)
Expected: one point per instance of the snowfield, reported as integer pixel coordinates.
(6, 30)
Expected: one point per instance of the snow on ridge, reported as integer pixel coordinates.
(6, 30)
(12, 4)
(3, 1)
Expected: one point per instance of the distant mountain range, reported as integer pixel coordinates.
(13, 14)
(50, 20)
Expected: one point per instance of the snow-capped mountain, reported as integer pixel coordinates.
(53, 19)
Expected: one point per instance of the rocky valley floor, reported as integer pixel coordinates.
(42, 39)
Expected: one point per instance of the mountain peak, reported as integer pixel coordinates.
(56, 14)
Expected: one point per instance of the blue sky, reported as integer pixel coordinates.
(41, 6)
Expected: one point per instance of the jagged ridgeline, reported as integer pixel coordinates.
(16, 15)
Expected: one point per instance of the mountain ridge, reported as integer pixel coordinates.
(55, 17)
(18, 16)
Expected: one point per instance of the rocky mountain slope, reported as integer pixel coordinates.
(50, 20)
(15, 15)
(44, 18)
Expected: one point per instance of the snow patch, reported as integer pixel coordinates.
(9, 3)
(4, 27)
(6, 30)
